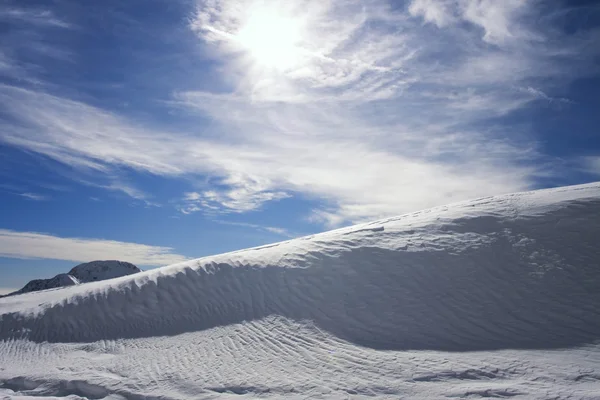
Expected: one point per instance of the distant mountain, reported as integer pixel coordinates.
(82, 273)
(59, 280)
(101, 270)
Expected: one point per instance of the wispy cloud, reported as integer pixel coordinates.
(438, 12)
(25, 245)
(381, 113)
(242, 194)
(33, 196)
(33, 16)
(320, 150)
(22, 191)
(131, 192)
(272, 229)
(119, 186)
(591, 164)
(51, 186)
(27, 34)
(538, 94)
(373, 110)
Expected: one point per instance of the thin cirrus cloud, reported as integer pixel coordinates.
(32, 245)
(21, 191)
(369, 109)
(117, 185)
(33, 196)
(499, 20)
(591, 164)
(33, 16)
(28, 29)
(271, 229)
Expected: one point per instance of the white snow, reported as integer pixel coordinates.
(496, 297)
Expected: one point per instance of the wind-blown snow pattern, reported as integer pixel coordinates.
(496, 297)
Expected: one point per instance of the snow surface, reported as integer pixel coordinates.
(496, 297)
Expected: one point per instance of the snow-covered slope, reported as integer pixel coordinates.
(82, 273)
(102, 270)
(494, 297)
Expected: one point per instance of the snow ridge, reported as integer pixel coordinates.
(515, 271)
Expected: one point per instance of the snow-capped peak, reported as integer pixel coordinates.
(101, 270)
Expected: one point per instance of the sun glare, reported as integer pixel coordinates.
(272, 39)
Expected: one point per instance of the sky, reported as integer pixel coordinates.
(158, 131)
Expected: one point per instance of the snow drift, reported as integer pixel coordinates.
(514, 271)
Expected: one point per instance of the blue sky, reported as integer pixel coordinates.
(158, 131)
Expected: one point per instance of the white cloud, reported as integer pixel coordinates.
(271, 229)
(591, 164)
(33, 196)
(25, 245)
(243, 194)
(191, 196)
(28, 31)
(33, 16)
(108, 181)
(438, 12)
(327, 61)
(129, 190)
(375, 114)
(279, 231)
(498, 19)
(540, 95)
(22, 191)
(83, 136)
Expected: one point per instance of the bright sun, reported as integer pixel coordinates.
(272, 39)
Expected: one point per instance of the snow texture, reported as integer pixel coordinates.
(83, 273)
(496, 297)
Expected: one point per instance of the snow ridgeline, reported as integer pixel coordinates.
(514, 271)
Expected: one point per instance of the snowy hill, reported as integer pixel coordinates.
(496, 297)
(82, 273)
